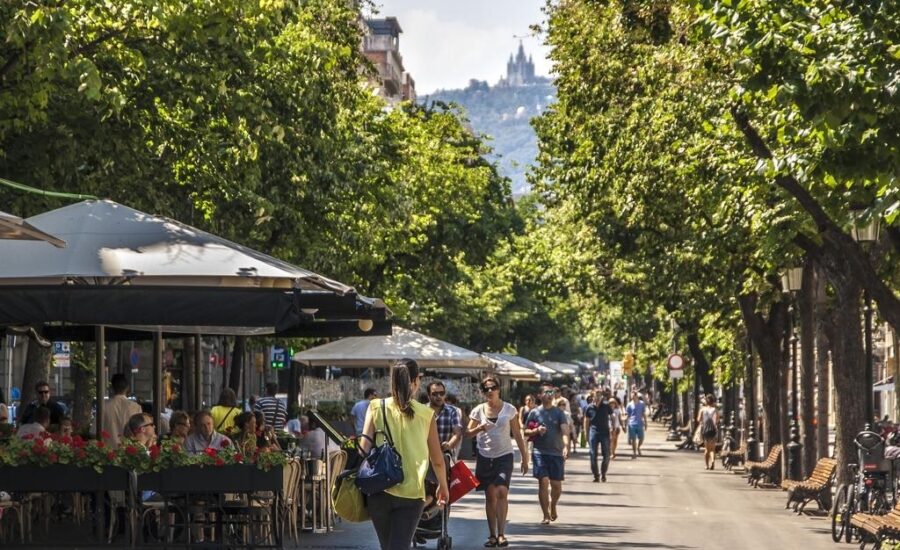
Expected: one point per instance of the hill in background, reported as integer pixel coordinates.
(503, 113)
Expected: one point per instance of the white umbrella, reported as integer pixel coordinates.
(16, 229)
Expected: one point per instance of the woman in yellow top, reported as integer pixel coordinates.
(225, 411)
(245, 439)
(396, 511)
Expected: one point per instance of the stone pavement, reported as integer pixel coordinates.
(664, 499)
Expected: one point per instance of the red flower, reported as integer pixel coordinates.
(66, 440)
(99, 444)
(53, 457)
(78, 442)
(80, 454)
(154, 452)
(38, 449)
(28, 437)
(110, 455)
(176, 448)
(105, 434)
(220, 462)
(131, 450)
(211, 452)
(225, 443)
(238, 457)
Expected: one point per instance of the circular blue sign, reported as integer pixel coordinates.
(134, 358)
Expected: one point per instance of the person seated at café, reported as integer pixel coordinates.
(245, 439)
(317, 441)
(57, 409)
(141, 430)
(295, 425)
(266, 440)
(64, 428)
(180, 428)
(38, 426)
(205, 435)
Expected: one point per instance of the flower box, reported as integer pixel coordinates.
(232, 478)
(62, 478)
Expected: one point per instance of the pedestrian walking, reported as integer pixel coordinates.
(358, 412)
(637, 423)
(549, 430)
(528, 404)
(492, 423)
(615, 422)
(395, 512)
(274, 411)
(708, 420)
(449, 425)
(597, 425)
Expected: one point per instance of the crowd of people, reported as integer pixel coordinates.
(545, 429)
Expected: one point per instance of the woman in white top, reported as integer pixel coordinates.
(491, 423)
(708, 420)
(615, 420)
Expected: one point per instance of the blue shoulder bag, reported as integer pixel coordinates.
(383, 467)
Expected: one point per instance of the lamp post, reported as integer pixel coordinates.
(792, 282)
(673, 428)
(867, 231)
(752, 441)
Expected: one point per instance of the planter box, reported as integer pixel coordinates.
(62, 478)
(234, 478)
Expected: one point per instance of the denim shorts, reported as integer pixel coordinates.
(551, 466)
(635, 432)
(493, 471)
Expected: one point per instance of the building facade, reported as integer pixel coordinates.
(381, 46)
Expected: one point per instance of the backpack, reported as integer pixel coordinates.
(708, 426)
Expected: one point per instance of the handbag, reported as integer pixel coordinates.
(462, 481)
(383, 466)
(347, 500)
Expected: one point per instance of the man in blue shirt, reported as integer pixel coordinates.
(597, 426)
(637, 423)
(358, 412)
(548, 430)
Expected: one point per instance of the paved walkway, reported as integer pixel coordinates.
(664, 499)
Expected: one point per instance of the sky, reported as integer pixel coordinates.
(446, 43)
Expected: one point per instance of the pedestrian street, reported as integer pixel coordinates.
(663, 499)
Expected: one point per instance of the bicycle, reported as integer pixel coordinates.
(872, 490)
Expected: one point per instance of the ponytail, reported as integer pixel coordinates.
(403, 372)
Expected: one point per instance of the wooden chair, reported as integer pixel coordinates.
(290, 496)
(769, 469)
(12, 506)
(816, 487)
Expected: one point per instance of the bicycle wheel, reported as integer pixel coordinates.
(853, 504)
(839, 509)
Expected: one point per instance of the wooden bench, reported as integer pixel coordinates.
(730, 459)
(878, 528)
(816, 487)
(769, 469)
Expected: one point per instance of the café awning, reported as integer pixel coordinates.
(514, 367)
(381, 351)
(14, 228)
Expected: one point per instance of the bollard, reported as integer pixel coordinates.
(752, 442)
(794, 449)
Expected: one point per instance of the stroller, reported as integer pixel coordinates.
(433, 524)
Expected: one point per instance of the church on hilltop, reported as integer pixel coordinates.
(520, 71)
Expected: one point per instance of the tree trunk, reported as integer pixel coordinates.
(238, 354)
(37, 369)
(785, 401)
(823, 375)
(701, 365)
(84, 374)
(767, 336)
(807, 366)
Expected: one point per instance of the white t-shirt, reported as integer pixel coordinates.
(495, 441)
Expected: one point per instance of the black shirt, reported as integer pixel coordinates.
(598, 417)
(57, 412)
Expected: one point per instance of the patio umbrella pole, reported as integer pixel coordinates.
(100, 350)
(198, 373)
(157, 377)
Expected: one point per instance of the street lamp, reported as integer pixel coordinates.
(792, 282)
(673, 429)
(867, 232)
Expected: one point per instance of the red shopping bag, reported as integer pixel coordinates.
(462, 481)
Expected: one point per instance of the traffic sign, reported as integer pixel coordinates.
(675, 362)
(134, 358)
(61, 355)
(278, 358)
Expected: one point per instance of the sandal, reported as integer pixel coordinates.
(545, 521)
(491, 542)
(502, 542)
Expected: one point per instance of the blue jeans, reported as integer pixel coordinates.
(602, 439)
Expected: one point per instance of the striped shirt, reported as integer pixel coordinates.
(274, 410)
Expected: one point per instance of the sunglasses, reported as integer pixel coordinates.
(488, 389)
(438, 393)
(44, 391)
(548, 392)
